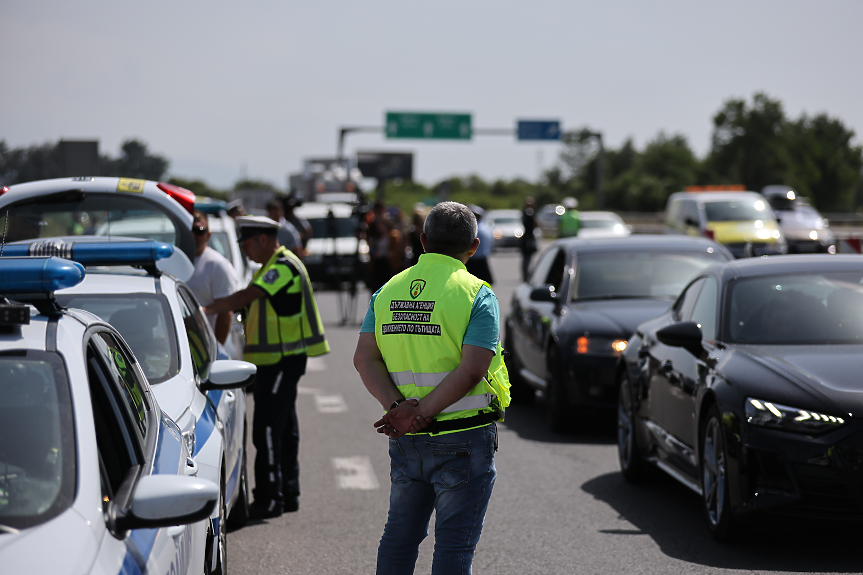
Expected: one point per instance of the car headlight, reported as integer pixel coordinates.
(599, 345)
(768, 414)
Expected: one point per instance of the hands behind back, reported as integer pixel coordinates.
(403, 419)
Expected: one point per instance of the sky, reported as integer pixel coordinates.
(232, 90)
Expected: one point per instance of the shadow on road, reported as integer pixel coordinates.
(671, 515)
(529, 421)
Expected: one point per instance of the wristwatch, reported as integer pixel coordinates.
(396, 403)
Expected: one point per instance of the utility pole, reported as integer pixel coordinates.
(600, 167)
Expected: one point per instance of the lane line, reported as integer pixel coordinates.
(330, 403)
(355, 473)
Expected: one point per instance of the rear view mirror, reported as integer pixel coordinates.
(229, 374)
(544, 293)
(685, 334)
(164, 501)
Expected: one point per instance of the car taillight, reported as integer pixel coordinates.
(3, 190)
(182, 195)
(709, 234)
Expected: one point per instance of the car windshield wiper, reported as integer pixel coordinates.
(7, 529)
(618, 296)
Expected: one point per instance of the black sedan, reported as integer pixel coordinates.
(748, 391)
(569, 324)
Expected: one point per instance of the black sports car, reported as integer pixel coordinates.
(749, 391)
(570, 322)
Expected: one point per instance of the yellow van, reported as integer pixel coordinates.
(741, 220)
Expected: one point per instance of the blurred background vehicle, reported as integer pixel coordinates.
(335, 254)
(507, 228)
(602, 225)
(747, 391)
(223, 237)
(805, 230)
(569, 323)
(547, 218)
(740, 220)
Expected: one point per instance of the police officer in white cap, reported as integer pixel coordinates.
(283, 328)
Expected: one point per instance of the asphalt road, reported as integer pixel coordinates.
(559, 505)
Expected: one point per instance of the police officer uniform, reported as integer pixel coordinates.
(282, 330)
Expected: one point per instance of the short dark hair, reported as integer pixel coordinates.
(450, 229)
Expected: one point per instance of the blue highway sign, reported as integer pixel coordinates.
(538, 130)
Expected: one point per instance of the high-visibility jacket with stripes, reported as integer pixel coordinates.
(286, 321)
(421, 316)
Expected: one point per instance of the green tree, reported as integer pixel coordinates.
(135, 161)
(28, 164)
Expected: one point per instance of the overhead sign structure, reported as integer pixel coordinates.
(539, 130)
(386, 165)
(425, 126)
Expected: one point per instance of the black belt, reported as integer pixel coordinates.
(459, 424)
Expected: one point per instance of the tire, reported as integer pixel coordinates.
(221, 567)
(520, 392)
(633, 466)
(714, 481)
(559, 411)
(239, 516)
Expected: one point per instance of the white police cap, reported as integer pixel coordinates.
(250, 226)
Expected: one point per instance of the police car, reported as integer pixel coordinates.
(223, 237)
(169, 334)
(107, 207)
(94, 477)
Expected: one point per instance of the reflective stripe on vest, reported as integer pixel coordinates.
(406, 378)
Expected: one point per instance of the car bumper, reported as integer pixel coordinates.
(591, 380)
(797, 476)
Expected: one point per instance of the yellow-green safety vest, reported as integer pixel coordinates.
(421, 316)
(269, 336)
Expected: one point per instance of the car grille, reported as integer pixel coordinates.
(826, 492)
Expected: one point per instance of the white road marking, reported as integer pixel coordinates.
(307, 390)
(316, 364)
(330, 403)
(355, 473)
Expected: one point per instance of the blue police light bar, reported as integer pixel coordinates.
(28, 275)
(210, 206)
(97, 253)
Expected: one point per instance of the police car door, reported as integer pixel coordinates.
(124, 424)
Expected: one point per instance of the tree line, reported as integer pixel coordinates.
(753, 143)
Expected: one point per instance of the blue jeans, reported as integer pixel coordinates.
(452, 474)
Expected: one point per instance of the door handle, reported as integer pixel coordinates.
(191, 467)
(230, 397)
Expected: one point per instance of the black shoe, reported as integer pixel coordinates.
(292, 505)
(269, 510)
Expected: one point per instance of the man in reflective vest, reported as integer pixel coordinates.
(424, 351)
(282, 328)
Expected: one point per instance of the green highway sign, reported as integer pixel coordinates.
(428, 126)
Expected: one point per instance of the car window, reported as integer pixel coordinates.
(737, 210)
(37, 438)
(75, 213)
(681, 308)
(807, 309)
(690, 213)
(201, 338)
(118, 366)
(333, 227)
(637, 274)
(541, 268)
(144, 321)
(704, 311)
(219, 241)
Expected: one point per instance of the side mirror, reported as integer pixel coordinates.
(229, 374)
(164, 501)
(685, 334)
(544, 293)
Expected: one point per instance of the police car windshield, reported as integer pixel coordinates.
(333, 227)
(637, 275)
(144, 321)
(737, 211)
(37, 451)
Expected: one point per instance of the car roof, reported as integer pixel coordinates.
(641, 243)
(599, 216)
(788, 264)
(511, 213)
(717, 196)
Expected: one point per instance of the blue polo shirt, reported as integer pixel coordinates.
(483, 328)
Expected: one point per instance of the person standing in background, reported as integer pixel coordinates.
(414, 243)
(478, 262)
(300, 224)
(570, 221)
(214, 278)
(289, 237)
(528, 239)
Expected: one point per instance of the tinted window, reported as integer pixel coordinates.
(811, 309)
(639, 274)
(541, 268)
(75, 213)
(333, 227)
(201, 338)
(119, 368)
(744, 209)
(704, 312)
(37, 449)
(144, 321)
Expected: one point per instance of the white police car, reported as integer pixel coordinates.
(108, 207)
(94, 477)
(163, 323)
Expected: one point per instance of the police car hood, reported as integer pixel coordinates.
(65, 544)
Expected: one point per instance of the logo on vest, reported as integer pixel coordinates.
(417, 287)
(271, 276)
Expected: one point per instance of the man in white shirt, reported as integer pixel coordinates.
(214, 278)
